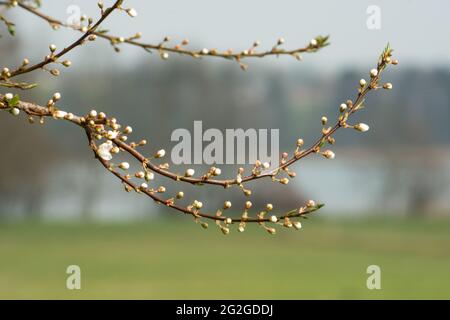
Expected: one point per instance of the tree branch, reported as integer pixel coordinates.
(315, 44)
(95, 127)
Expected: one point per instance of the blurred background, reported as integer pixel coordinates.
(386, 193)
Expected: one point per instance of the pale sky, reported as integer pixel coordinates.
(418, 30)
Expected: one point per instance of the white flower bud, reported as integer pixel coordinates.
(373, 73)
(189, 173)
(149, 176)
(144, 186)
(311, 203)
(329, 154)
(180, 195)
(15, 111)
(112, 134)
(9, 96)
(313, 42)
(56, 96)
(387, 86)
(128, 130)
(140, 174)
(343, 107)
(59, 114)
(274, 219)
(161, 153)
(132, 12)
(227, 205)
(362, 82)
(362, 127)
(124, 166)
(297, 225)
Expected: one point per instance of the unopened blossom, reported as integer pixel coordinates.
(329, 154)
(189, 173)
(362, 127)
(161, 153)
(15, 111)
(59, 114)
(132, 12)
(124, 166)
(112, 134)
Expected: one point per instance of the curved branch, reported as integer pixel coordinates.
(55, 56)
(315, 44)
(315, 148)
(95, 125)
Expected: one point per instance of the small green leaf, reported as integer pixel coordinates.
(322, 143)
(11, 29)
(14, 101)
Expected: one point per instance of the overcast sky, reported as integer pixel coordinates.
(418, 30)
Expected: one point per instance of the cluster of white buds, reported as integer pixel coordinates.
(197, 204)
(216, 171)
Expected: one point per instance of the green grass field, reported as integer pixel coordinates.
(158, 260)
